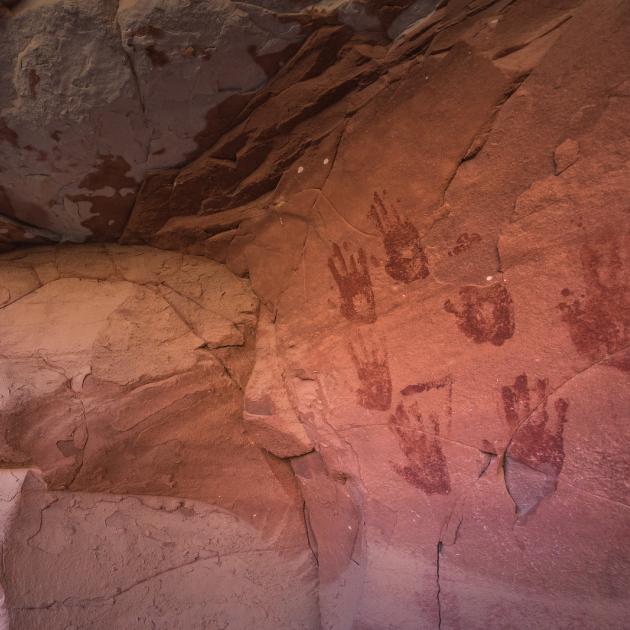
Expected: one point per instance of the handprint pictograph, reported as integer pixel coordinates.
(419, 441)
(372, 368)
(537, 438)
(406, 260)
(354, 284)
(486, 314)
(464, 241)
(599, 319)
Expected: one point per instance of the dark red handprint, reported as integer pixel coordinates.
(375, 391)
(355, 285)
(599, 320)
(406, 260)
(419, 441)
(538, 440)
(486, 314)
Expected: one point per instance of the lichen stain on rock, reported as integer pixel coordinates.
(109, 212)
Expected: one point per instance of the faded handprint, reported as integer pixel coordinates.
(485, 314)
(599, 319)
(419, 441)
(406, 260)
(355, 285)
(538, 438)
(464, 242)
(375, 391)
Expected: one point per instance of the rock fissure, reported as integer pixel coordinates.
(438, 554)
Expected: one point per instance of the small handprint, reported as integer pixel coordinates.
(538, 441)
(406, 260)
(599, 321)
(355, 285)
(464, 242)
(419, 441)
(372, 370)
(486, 313)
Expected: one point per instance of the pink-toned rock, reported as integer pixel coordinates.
(268, 413)
(402, 339)
(153, 561)
(110, 382)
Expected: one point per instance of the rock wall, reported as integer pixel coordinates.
(422, 211)
(121, 372)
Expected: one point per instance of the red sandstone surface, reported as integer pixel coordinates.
(315, 315)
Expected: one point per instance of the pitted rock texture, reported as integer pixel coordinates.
(389, 311)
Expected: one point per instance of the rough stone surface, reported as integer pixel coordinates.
(388, 322)
(96, 93)
(137, 561)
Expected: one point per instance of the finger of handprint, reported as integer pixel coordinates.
(353, 264)
(382, 208)
(542, 385)
(435, 423)
(591, 264)
(339, 255)
(363, 261)
(379, 203)
(521, 396)
(562, 406)
(333, 270)
(376, 219)
(509, 402)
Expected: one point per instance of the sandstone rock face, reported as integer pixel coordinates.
(371, 304)
(95, 94)
(173, 561)
(121, 372)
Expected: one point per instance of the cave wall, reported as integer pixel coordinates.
(374, 304)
